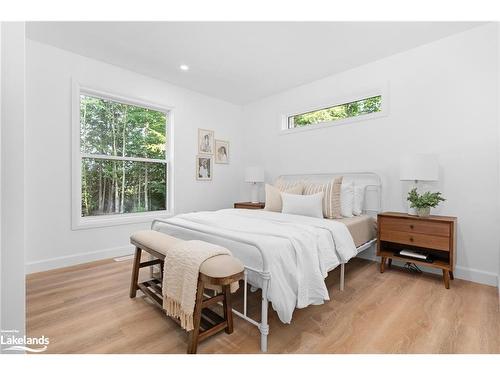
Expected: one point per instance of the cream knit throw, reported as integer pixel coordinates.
(180, 277)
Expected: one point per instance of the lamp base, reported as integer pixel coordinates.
(255, 193)
(410, 210)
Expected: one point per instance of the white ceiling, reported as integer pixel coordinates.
(240, 61)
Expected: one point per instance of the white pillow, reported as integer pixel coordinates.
(347, 199)
(273, 196)
(359, 197)
(305, 205)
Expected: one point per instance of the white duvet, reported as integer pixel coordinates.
(298, 250)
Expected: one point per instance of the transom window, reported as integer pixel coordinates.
(352, 109)
(123, 156)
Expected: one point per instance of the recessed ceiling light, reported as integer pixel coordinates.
(184, 67)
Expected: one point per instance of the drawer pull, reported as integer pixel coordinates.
(411, 239)
(411, 226)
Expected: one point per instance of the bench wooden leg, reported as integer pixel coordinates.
(194, 334)
(135, 272)
(228, 314)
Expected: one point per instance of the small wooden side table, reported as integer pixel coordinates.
(435, 236)
(250, 205)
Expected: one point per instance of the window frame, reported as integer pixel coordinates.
(382, 91)
(80, 222)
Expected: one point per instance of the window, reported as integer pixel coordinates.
(348, 110)
(123, 159)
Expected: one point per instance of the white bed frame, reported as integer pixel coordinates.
(372, 205)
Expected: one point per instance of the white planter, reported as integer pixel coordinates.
(424, 212)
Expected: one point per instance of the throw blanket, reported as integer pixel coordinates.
(180, 277)
(299, 250)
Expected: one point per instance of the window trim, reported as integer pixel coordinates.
(382, 91)
(78, 222)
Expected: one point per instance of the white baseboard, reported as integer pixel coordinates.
(498, 288)
(478, 276)
(464, 273)
(71, 260)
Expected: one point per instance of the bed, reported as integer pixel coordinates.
(287, 256)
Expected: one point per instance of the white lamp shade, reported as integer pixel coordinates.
(419, 167)
(254, 174)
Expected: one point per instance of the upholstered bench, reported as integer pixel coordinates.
(216, 273)
(156, 244)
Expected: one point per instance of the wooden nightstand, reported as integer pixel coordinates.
(433, 235)
(250, 205)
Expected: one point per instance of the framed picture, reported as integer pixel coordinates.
(205, 141)
(204, 167)
(221, 152)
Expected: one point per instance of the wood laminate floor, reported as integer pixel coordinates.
(86, 309)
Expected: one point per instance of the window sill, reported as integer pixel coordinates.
(119, 219)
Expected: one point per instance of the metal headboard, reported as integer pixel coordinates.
(371, 181)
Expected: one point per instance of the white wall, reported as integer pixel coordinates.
(1, 126)
(498, 150)
(443, 99)
(50, 242)
(12, 293)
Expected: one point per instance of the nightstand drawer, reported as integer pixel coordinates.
(416, 239)
(415, 226)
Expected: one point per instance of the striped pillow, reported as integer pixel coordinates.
(331, 200)
(282, 185)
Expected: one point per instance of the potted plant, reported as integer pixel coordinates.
(423, 202)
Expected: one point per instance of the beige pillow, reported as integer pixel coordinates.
(331, 200)
(273, 196)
